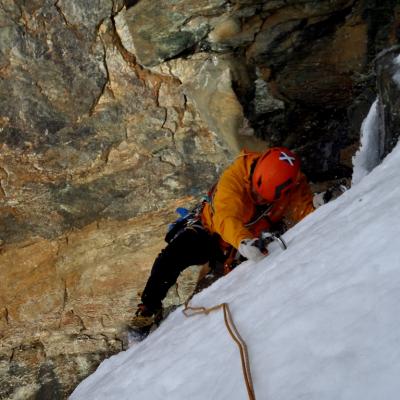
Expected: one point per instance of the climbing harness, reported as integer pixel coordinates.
(189, 311)
(188, 219)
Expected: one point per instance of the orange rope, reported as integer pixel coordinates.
(230, 326)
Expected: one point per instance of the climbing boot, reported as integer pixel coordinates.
(144, 322)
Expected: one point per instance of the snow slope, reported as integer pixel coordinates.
(321, 320)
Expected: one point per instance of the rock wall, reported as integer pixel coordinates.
(113, 113)
(387, 65)
(301, 70)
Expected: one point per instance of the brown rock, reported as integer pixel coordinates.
(67, 302)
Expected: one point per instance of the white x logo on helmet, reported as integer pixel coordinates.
(284, 157)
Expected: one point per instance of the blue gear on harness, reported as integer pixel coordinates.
(183, 214)
(187, 219)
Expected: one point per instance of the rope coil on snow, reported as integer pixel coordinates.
(189, 311)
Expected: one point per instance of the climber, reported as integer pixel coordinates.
(254, 193)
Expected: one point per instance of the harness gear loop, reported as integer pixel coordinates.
(189, 311)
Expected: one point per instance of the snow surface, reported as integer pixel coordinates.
(367, 157)
(321, 319)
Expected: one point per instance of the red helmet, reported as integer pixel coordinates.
(275, 173)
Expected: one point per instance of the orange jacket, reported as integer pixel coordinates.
(232, 206)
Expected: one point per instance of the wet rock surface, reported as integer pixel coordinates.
(113, 113)
(312, 60)
(388, 72)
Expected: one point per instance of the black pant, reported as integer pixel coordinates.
(193, 246)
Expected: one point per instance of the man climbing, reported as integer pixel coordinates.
(256, 192)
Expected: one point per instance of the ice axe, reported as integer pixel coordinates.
(267, 237)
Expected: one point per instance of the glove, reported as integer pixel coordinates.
(248, 248)
(319, 200)
(331, 193)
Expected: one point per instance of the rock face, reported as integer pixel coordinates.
(66, 303)
(388, 72)
(93, 145)
(113, 113)
(300, 69)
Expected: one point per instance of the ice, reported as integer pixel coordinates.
(367, 157)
